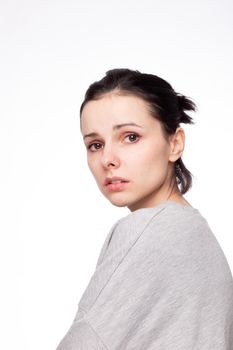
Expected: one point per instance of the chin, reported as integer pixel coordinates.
(118, 202)
(122, 201)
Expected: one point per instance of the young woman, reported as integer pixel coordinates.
(162, 281)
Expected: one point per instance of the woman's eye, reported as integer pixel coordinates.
(132, 137)
(95, 148)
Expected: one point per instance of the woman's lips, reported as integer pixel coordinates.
(114, 179)
(112, 187)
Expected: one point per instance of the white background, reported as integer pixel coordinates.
(53, 218)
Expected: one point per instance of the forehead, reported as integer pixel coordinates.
(113, 108)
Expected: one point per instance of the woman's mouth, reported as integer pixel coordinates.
(117, 185)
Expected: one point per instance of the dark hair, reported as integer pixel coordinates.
(164, 104)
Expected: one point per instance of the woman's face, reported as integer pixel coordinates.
(124, 140)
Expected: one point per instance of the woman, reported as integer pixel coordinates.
(162, 281)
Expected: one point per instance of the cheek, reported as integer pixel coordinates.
(93, 165)
(149, 154)
(151, 161)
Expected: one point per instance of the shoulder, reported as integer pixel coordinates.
(164, 218)
(167, 219)
(179, 237)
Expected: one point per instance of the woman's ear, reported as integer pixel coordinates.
(177, 143)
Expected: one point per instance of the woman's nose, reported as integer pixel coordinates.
(110, 158)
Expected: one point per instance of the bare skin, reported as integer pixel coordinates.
(138, 153)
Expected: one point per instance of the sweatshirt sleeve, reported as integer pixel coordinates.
(81, 336)
(172, 290)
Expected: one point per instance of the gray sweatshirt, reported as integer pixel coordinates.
(162, 282)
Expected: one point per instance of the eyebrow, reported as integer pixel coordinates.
(115, 127)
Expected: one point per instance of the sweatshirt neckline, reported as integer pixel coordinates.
(168, 203)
